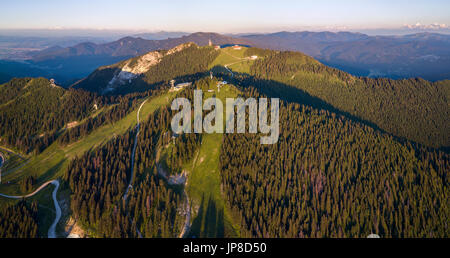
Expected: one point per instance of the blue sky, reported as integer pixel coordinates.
(222, 16)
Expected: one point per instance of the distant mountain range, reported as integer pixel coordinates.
(425, 55)
(131, 46)
(161, 35)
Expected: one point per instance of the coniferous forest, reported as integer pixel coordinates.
(33, 111)
(326, 178)
(19, 220)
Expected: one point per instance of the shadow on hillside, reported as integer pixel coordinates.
(50, 173)
(209, 222)
(290, 94)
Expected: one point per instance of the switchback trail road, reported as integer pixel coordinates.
(52, 229)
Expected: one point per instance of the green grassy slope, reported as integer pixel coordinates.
(236, 60)
(211, 217)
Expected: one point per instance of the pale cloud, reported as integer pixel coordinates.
(433, 26)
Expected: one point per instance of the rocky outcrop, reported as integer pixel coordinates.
(135, 67)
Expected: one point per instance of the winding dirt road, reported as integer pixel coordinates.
(52, 229)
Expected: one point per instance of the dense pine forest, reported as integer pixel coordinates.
(19, 220)
(331, 177)
(97, 181)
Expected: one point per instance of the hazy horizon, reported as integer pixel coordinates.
(230, 17)
(111, 33)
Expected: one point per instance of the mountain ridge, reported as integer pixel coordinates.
(133, 46)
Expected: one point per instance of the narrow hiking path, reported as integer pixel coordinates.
(12, 170)
(52, 229)
(5, 149)
(228, 69)
(178, 180)
(235, 57)
(239, 60)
